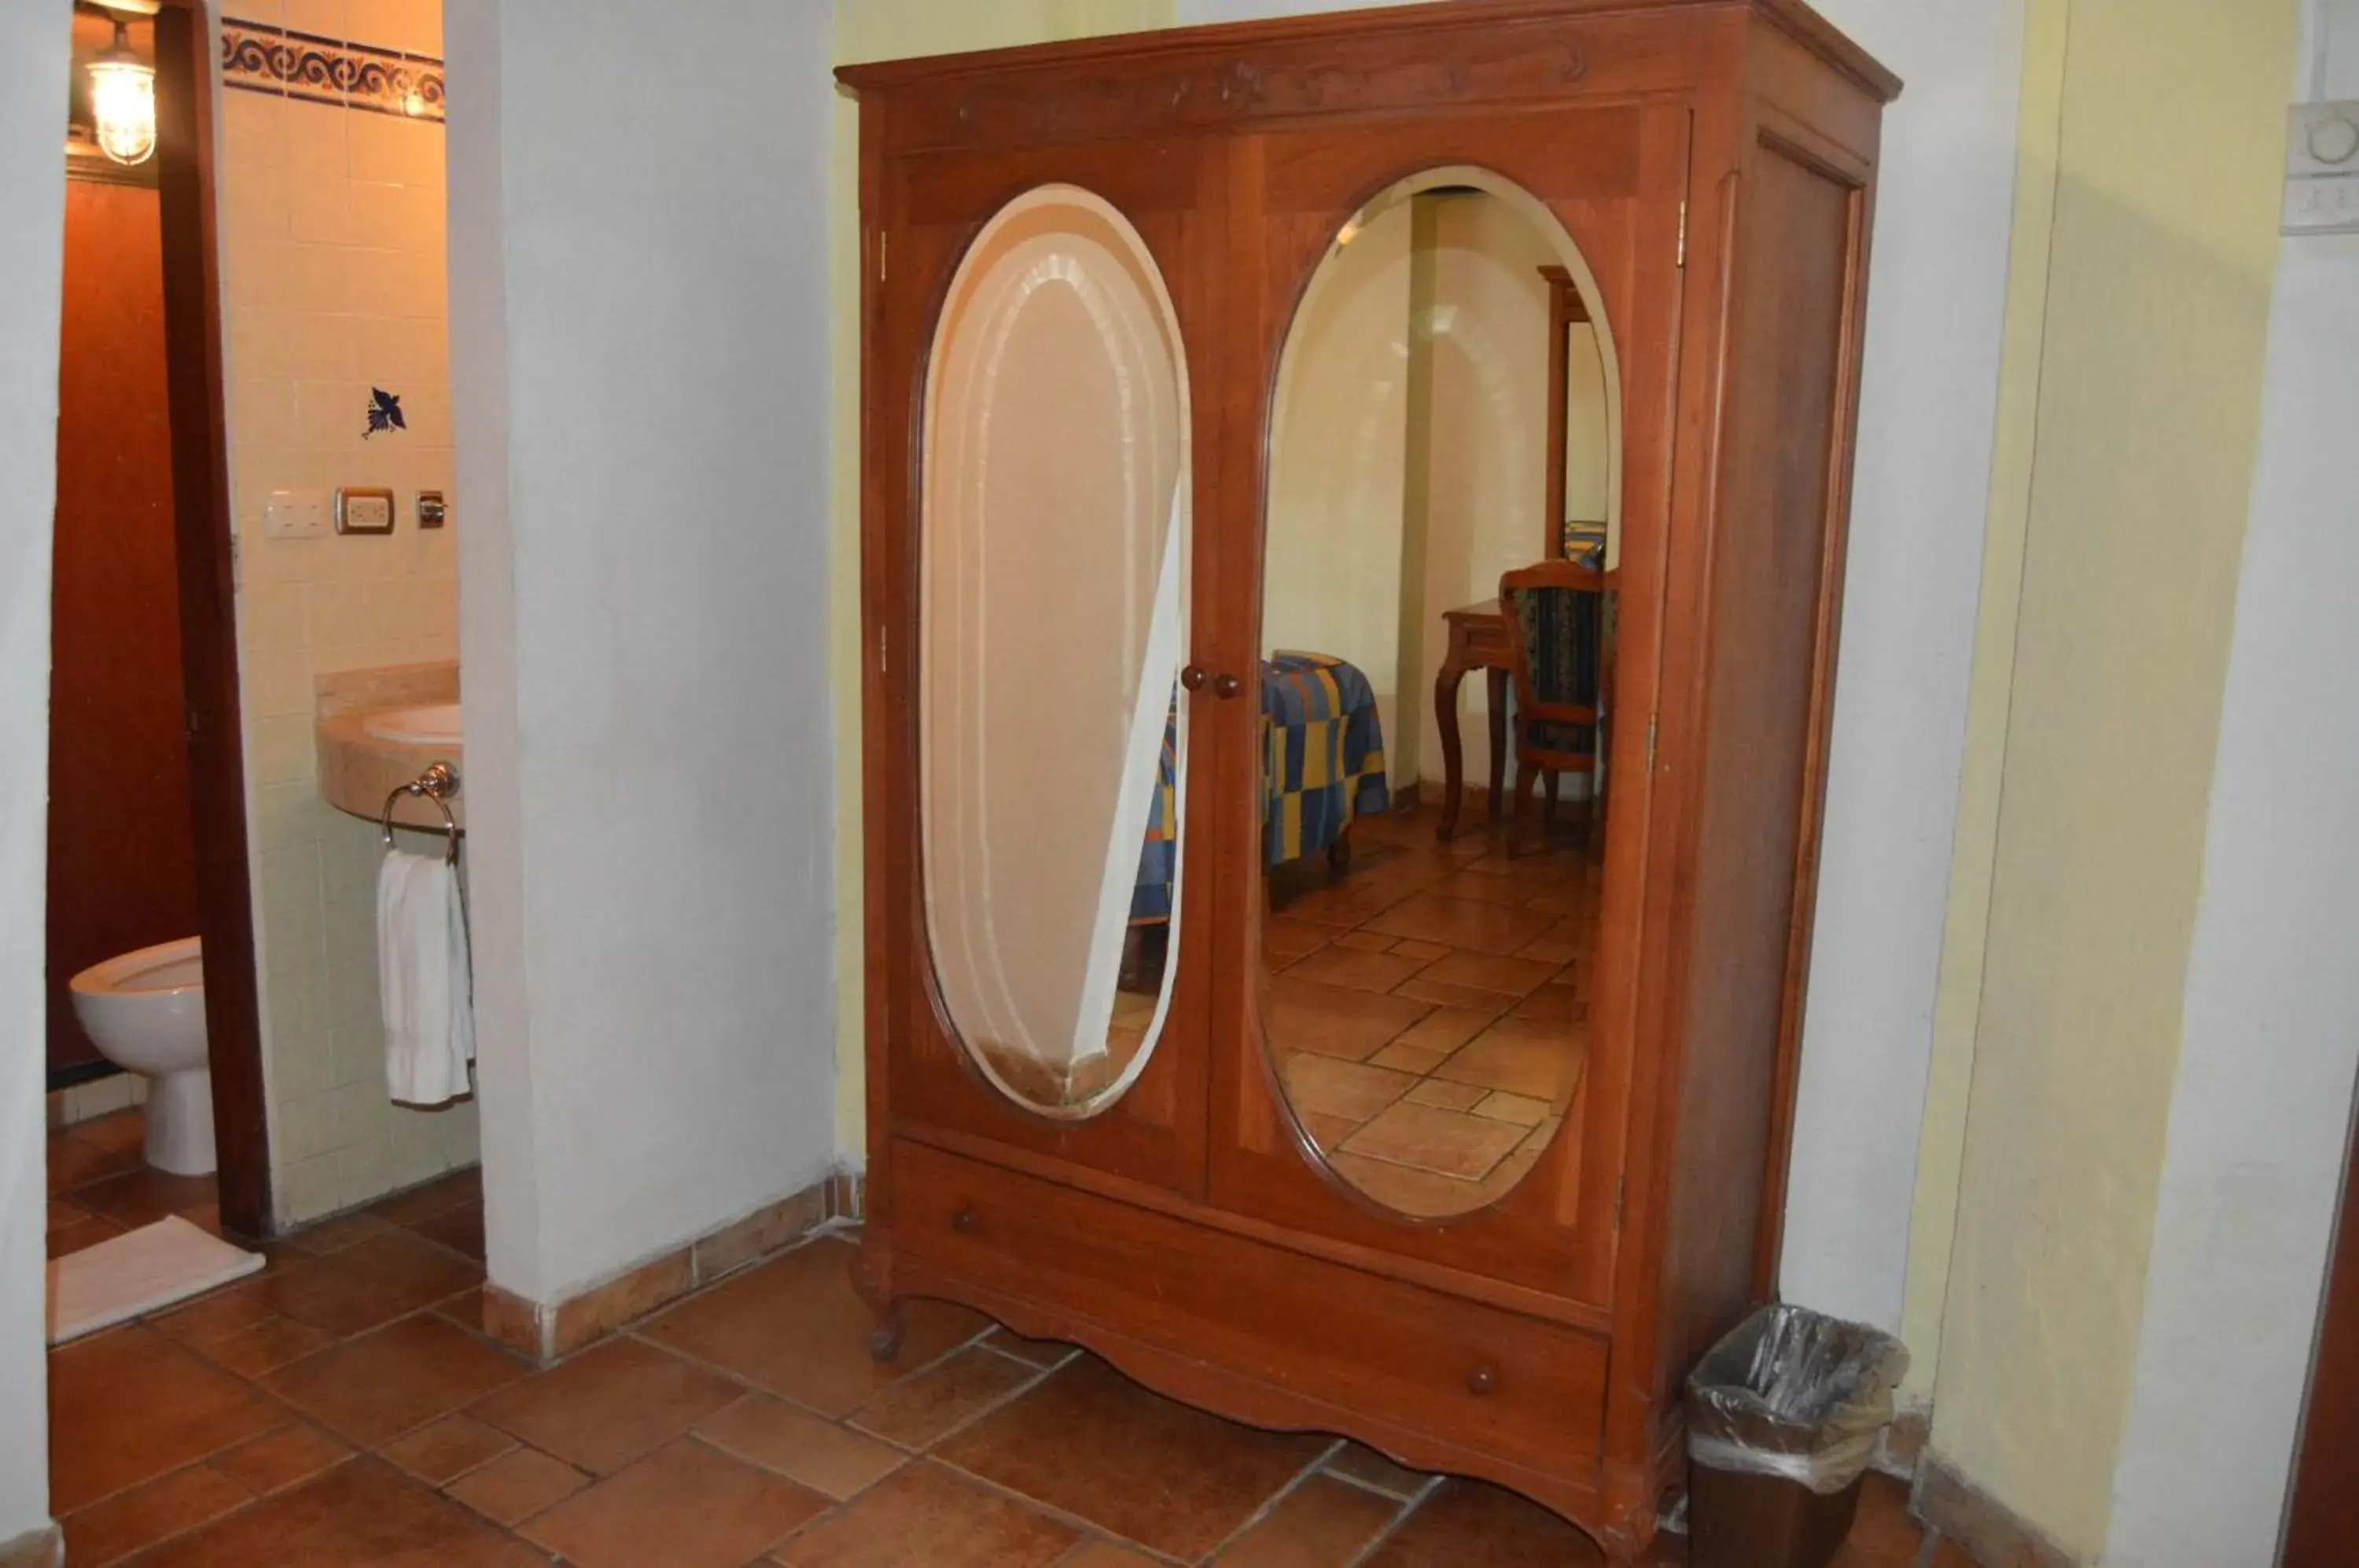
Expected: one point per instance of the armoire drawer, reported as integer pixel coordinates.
(1528, 1391)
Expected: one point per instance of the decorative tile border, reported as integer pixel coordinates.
(261, 59)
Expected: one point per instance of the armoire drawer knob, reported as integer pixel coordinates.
(962, 1222)
(1483, 1379)
(1194, 677)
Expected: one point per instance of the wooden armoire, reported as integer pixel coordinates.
(1082, 266)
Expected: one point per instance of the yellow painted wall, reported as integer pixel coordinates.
(892, 30)
(2129, 411)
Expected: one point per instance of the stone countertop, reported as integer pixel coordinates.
(356, 769)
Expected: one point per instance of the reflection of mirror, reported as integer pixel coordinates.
(1444, 410)
(1052, 609)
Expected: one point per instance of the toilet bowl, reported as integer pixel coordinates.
(146, 1012)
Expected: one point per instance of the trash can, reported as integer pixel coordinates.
(1783, 1415)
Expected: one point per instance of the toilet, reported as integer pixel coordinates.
(146, 1012)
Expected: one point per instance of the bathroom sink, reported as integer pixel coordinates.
(434, 726)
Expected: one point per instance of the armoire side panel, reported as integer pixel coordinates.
(1787, 426)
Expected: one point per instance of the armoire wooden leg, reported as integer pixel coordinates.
(892, 1330)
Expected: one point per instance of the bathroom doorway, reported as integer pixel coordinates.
(147, 838)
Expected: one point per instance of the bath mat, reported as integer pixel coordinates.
(144, 1272)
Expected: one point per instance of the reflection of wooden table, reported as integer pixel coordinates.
(1478, 640)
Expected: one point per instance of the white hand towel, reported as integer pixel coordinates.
(423, 979)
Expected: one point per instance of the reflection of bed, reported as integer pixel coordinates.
(1322, 764)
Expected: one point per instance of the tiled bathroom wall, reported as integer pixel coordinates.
(332, 259)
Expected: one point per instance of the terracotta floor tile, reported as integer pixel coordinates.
(1469, 1522)
(1448, 1095)
(76, 1236)
(1352, 902)
(278, 1459)
(217, 1313)
(1364, 941)
(335, 1235)
(1334, 1021)
(1451, 1143)
(685, 1506)
(362, 1514)
(1285, 939)
(129, 1406)
(108, 1531)
(1107, 1555)
(1098, 1446)
(1409, 1058)
(1329, 1087)
(1405, 1189)
(367, 1284)
(117, 1131)
(378, 1387)
(448, 1448)
(795, 1327)
(1555, 1003)
(917, 1412)
(1444, 1029)
(1502, 974)
(143, 1196)
(1338, 964)
(925, 1514)
(1358, 1463)
(830, 1459)
(269, 1344)
(460, 1229)
(1471, 923)
(1323, 1523)
(517, 1485)
(1536, 1060)
(1450, 994)
(1326, 1131)
(436, 1197)
(1523, 1111)
(609, 1405)
(74, 1162)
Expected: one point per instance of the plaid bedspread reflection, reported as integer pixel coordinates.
(1322, 764)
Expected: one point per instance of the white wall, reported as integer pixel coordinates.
(2262, 1103)
(638, 323)
(1920, 492)
(34, 60)
(1922, 489)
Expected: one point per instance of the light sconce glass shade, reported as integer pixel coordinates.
(123, 102)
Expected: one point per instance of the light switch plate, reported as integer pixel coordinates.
(295, 514)
(362, 511)
(2323, 168)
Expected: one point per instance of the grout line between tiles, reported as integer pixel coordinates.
(1408, 1510)
(1269, 1504)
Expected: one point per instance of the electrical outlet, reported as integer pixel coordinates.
(295, 514)
(363, 511)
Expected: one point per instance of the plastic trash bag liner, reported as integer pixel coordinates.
(1796, 1394)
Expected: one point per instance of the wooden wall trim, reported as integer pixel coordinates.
(201, 504)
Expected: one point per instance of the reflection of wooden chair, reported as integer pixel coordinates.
(1555, 614)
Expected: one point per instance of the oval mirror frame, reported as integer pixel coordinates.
(1052, 560)
(1369, 1086)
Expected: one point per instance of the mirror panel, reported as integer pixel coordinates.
(1424, 999)
(1053, 605)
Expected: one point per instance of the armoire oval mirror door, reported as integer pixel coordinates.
(1444, 416)
(1051, 746)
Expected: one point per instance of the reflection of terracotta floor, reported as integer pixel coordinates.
(1429, 1009)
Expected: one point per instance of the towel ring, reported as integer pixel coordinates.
(436, 784)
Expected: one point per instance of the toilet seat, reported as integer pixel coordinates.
(166, 966)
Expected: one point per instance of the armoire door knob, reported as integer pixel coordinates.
(962, 1222)
(1194, 677)
(1483, 1379)
(1227, 686)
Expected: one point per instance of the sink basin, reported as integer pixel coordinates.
(434, 726)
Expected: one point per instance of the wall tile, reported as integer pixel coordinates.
(332, 239)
